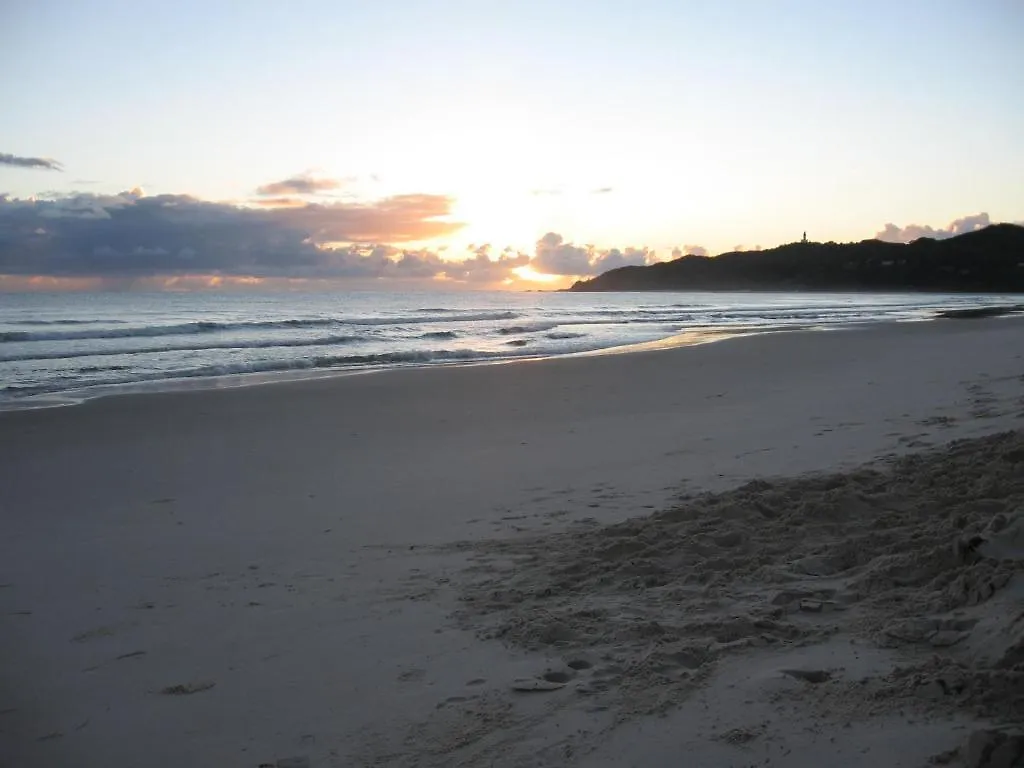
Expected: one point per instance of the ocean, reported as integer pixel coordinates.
(63, 348)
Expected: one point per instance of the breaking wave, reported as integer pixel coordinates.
(319, 341)
(273, 366)
(206, 326)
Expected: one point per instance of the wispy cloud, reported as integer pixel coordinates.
(302, 184)
(279, 202)
(42, 163)
(602, 190)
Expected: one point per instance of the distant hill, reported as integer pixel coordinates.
(990, 260)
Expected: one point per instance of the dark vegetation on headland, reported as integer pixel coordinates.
(990, 260)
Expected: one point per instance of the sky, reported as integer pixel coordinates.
(484, 144)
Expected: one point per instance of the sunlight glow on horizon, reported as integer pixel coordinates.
(671, 125)
(532, 275)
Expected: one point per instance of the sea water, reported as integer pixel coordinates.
(75, 345)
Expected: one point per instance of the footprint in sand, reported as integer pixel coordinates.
(813, 676)
(938, 421)
(536, 685)
(411, 675)
(552, 679)
(92, 634)
(1003, 538)
(186, 689)
(455, 700)
(288, 762)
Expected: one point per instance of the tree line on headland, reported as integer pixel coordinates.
(989, 260)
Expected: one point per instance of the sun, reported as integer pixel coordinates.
(500, 217)
(529, 273)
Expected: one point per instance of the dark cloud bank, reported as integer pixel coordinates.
(86, 235)
(130, 236)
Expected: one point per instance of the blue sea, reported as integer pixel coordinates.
(60, 348)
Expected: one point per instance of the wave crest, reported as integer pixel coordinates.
(209, 326)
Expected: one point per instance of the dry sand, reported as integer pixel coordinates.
(438, 567)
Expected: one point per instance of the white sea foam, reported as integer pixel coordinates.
(54, 344)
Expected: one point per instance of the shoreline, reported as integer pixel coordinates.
(73, 397)
(242, 576)
(688, 338)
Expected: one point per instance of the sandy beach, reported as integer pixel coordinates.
(613, 560)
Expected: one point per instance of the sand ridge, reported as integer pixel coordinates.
(636, 617)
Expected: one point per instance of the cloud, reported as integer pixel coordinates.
(396, 219)
(482, 269)
(180, 242)
(302, 184)
(893, 234)
(602, 191)
(553, 256)
(695, 250)
(44, 163)
(280, 202)
(614, 258)
(132, 235)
